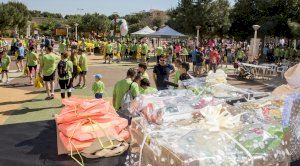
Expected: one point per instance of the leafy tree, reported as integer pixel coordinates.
(95, 22)
(51, 15)
(158, 22)
(211, 15)
(271, 15)
(13, 14)
(295, 28)
(111, 17)
(71, 20)
(35, 13)
(48, 26)
(5, 17)
(137, 21)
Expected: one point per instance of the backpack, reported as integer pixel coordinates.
(47, 42)
(127, 98)
(62, 68)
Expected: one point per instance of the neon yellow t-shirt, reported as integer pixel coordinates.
(98, 87)
(83, 62)
(32, 59)
(148, 90)
(145, 75)
(5, 61)
(119, 48)
(185, 52)
(145, 48)
(124, 47)
(120, 90)
(176, 77)
(159, 51)
(49, 63)
(109, 48)
(61, 48)
(69, 70)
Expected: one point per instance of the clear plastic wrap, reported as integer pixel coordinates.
(291, 120)
(217, 138)
(206, 101)
(215, 78)
(196, 85)
(157, 107)
(227, 91)
(266, 110)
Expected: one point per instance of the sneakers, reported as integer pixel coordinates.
(50, 97)
(83, 87)
(77, 86)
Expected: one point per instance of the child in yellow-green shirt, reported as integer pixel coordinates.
(83, 64)
(178, 63)
(98, 87)
(5, 62)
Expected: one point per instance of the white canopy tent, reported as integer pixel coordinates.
(143, 32)
(166, 32)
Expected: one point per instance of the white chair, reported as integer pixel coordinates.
(282, 70)
(286, 63)
(272, 70)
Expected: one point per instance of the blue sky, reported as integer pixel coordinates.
(101, 6)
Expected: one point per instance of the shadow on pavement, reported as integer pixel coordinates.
(34, 143)
(21, 102)
(16, 85)
(26, 110)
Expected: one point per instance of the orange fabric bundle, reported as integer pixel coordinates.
(76, 109)
(74, 144)
(90, 130)
(82, 121)
(81, 145)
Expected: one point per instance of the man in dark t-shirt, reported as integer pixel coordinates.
(199, 63)
(161, 73)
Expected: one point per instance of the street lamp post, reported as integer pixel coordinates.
(155, 28)
(76, 35)
(28, 29)
(255, 27)
(198, 28)
(68, 27)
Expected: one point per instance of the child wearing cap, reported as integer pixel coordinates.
(98, 87)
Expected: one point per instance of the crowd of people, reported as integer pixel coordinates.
(43, 62)
(70, 62)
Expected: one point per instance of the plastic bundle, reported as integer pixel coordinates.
(219, 138)
(291, 120)
(196, 85)
(215, 78)
(155, 108)
(26, 71)
(207, 101)
(38, 82)
(266, 110)
(229, 92)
